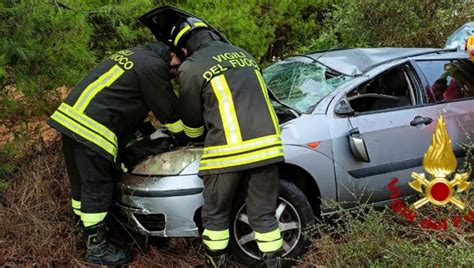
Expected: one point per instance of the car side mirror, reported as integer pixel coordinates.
(344, 108)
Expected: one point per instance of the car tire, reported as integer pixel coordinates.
(293, 211)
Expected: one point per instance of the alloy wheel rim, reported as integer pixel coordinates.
(288, 220)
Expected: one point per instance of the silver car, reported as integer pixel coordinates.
(352, 120)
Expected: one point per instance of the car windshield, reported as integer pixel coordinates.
(301, 85)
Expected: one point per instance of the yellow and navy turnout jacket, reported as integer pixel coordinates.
(115, 98)
(222, 91)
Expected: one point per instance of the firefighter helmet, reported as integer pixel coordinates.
(182, 29)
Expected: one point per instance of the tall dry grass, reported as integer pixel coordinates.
(369, 237)
(37, 224)
(37, 229)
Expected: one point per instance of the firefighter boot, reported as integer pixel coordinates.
(100, 251)
(271, 259)
(214, 259)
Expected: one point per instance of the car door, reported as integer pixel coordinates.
(449, 87)
(396, 136)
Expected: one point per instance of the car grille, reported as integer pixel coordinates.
(152, 222)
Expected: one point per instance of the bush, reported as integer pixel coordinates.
(43, 47)
(114, 23)
(45, 43)
(367, 237)
(377, 23)
(266, 29)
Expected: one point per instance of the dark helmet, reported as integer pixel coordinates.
(182, 29)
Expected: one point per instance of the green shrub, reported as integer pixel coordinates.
(366, 237)
(45, 43)
(266, 28)
(376, 23)
(7, 162)
(114, 23)
(42, 47)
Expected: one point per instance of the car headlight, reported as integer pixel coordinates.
(169, 163)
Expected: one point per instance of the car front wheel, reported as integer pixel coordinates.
(293, 214)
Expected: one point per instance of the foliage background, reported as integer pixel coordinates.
(46, 46)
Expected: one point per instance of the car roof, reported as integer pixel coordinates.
(356, 61)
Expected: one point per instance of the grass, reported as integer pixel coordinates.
(37, 229)
(37, 224)
(369, 237)
(7, 163)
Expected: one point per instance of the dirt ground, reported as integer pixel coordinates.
(37, 224)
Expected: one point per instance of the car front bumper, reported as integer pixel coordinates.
(160, 206)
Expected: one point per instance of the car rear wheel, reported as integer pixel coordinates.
(293, 213)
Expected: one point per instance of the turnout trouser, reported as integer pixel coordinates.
(262, 186)
(92, 181)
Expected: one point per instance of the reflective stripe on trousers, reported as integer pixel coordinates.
(90, 219)
(215, 240)
(76, 207)
(270, 241)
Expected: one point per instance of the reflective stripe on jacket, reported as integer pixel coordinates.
(222, 91)
(107, 106)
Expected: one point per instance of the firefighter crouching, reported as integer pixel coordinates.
(95, 121)
(222, 91)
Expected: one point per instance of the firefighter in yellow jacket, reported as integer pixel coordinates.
(224, 99)
(96, 120)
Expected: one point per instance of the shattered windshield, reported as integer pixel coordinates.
(301, 85)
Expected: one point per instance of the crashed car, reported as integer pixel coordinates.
(458, 39)
(351, 121)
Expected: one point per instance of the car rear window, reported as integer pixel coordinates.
(448, 79)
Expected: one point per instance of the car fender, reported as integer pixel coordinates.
(318, 165)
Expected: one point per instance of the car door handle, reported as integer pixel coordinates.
(418, 120)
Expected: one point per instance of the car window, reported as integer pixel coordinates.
(301, 85)
(392, 89)
(448, 79)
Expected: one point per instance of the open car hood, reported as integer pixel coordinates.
(162, 19)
